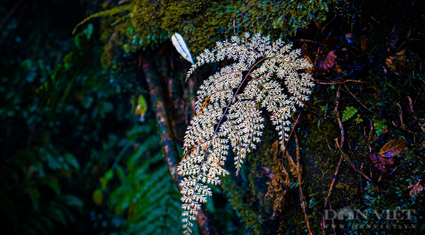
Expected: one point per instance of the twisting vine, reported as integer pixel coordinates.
(229, 115)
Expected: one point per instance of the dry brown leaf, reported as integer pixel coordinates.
(401, 58)
(381, 163)
(324, 66)
(415, 188)
(304, 49)
(330, 59)
(392, 148)
(310, 70)
(138, 111)
(278, 187)
(390, 63)
(363, 43)
(396, 62)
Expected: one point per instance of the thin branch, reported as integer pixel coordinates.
(311, 41)
(401, 115)
(341, 82)
(354, 96)
(420, 119)
(338, 93)
(10, 14)
(333, 180)
(359, 171)
(302, 198)
(6, 19)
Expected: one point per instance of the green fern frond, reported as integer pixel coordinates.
(147, 195)
(348, 113)
(109, 12)
(379, 126)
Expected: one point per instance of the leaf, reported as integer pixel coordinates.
(103, 183)
(141, 108)
(120, 174)
(380, 162)
(105, 179)
(53, 183)
(73, 201)
(348, 113)
(351, 38)
(392, 148)
(396, 62)
(57, 214)
(109, 174)
(379, 125)
(363, 43)
(309, 70)
(109, 12)
(98, 196)
(71, 160)
(324, 65)
(358, 119)
(390, 63)
(415, 188)
(181, 47)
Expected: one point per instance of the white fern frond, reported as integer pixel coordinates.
(228, 110)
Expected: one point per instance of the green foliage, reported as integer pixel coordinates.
(56, 111)
(64, 117)
(202, 23)
(33, 179)
(348, 113)
(358, 119)
(146, 194)
(379, 125)
(109, 12)
(141, 108)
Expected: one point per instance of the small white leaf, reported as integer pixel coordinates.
(181, 47)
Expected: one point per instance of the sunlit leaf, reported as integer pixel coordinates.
(181, 47)
(141, 108)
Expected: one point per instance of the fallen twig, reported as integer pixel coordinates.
(338, 93)
(311, 41)
(333, 83)
(354, 96)
(401, 116)
(302, 198)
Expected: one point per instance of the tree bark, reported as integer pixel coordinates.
(156, 92)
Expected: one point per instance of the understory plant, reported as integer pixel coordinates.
(264, 77)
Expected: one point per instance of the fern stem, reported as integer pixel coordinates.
(233, 98)
(295, 124)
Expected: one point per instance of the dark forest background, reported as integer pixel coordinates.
(92, 122)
